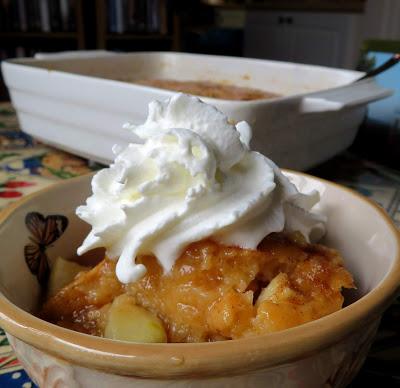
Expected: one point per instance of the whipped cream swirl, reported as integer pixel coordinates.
(193, 177)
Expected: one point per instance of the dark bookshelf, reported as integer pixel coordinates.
(31, 26)
(23, 23)
(136, 32)
(87, 26)
(22, 36)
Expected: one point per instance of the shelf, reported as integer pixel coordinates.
(225, 4)
(38, 35)
(138, 37)
(291, 5)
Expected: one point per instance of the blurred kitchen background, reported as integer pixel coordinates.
(321, 32)
(351, 34)
(337, 33)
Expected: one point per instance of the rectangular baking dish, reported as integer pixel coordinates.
(79, 104)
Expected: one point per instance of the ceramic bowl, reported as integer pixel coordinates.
(326, 352)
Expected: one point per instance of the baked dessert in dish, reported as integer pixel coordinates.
(205, 239)
(209, 89)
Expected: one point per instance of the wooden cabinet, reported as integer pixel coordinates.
(327, 39)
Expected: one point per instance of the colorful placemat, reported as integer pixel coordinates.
(27, 166)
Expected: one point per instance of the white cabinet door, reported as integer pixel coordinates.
(268, 42)
(316, 38)
(314, 46)
(266, 36)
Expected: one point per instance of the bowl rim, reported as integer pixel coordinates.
(202, 359)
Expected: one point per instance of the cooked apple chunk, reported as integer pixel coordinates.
(128, 322)
(62, 273)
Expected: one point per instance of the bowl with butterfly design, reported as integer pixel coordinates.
(325, 352)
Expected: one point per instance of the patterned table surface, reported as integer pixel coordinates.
(27, 166)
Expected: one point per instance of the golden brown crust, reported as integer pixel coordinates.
(78, 305)
(209, 89)
(215, 292)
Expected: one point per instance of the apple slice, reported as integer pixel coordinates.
(128, 322)
(62, 273)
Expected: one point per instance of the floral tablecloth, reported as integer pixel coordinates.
(27, 166)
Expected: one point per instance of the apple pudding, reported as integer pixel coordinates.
(212, 293)
(204, 239)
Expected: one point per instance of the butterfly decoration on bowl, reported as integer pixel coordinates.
(44, 232)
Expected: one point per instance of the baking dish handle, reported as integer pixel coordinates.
(357, 93)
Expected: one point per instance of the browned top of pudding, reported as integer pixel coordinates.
(214, 292)
(209, 89)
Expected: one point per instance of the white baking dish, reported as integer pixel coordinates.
(78, 105)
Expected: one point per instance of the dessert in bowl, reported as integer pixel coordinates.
(193, 219)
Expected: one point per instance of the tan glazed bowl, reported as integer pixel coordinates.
(325, 353)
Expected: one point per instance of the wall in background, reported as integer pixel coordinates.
(322, 38)
(381, 20)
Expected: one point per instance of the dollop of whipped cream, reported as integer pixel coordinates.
(194, 177)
